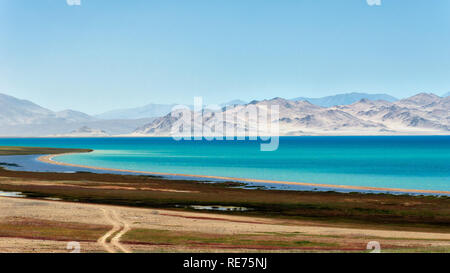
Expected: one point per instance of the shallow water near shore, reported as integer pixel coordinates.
(11, 194)
(405, 162)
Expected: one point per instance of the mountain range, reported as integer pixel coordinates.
(355, 113)
(420, 114)
(157, 110)
(16, 112)
(24, 118)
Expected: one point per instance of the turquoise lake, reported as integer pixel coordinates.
(407, 162)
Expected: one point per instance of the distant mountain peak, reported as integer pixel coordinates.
(364, 100)
(233, 102)
(84, 131)
(74, 116)
(88, 130)
(425, 95)
(420, 99)
(277, 100)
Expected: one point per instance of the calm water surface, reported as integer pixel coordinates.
(408, 162)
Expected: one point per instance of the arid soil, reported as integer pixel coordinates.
(123, 229)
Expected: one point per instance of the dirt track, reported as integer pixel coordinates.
(116, 226)
(123, 219)
(124, 227)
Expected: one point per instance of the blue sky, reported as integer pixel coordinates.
(108, 54)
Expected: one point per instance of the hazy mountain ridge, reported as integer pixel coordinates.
(15, 111)
(345, 99)
(147, 111)
(419, 114)
(56, 127)
(74, 116)
(151, 110)
(233, 102)
(24, 118)
(84, 131)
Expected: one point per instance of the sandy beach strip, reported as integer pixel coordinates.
(50, 160)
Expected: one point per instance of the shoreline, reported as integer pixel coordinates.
(49, 159)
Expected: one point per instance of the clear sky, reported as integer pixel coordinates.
(107, 54)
